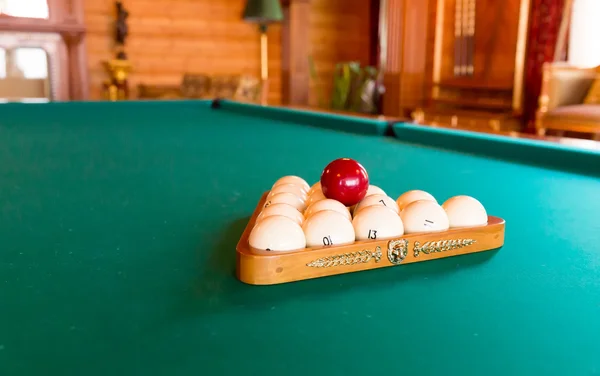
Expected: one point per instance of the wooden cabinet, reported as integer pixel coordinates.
(478, 63)
(468, 55)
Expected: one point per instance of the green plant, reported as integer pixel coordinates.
(355, 88)
(367, 96)
(342, 83)
(313, 75)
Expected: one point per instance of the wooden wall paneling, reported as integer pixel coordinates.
(430, 51)
(392, 15)
(295, 41)
(520, 57)
(374, 32)
(339, 31)
(406, 29)
(169, 38)
(274, 57)
(415, 56)
(285, 53)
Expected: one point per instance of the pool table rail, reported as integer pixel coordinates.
(337, 121)
(556, 154)
(258, 267)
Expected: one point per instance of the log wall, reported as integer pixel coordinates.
(171, 37)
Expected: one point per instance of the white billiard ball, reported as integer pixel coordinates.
(291, 188)
(328, 228)
(327, 204)
(465, 211)
(281, 209)
(424, 216)
(291, 179)
(315, 187)
(374, 190)
(377, 222)
(277, 233)
(382, 200)
(414, 195)
(286, 198)
(315, 197)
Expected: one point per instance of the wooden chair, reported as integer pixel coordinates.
(562, 104)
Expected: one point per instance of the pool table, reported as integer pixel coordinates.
(119, 223)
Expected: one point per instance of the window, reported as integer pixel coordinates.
(32, 62)
(25, 75)
(25, 8)
(584, 50)
(43, 45)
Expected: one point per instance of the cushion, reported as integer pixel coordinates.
(593, 94)
(568, 86)
(195, 85)
(224, 86)
(248, 90)
(158, 91)
(578, 112)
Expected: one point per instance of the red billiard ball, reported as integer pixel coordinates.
(345, 180)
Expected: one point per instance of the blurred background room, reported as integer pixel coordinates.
(525, 66)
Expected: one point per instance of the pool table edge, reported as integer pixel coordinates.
(521, 150)
(319, 119)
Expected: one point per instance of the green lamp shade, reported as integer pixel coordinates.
(263, 11)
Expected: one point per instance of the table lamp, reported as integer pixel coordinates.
(263, 12)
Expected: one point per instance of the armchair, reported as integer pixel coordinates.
(563, 105)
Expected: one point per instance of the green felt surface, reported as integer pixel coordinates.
(119, 224)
